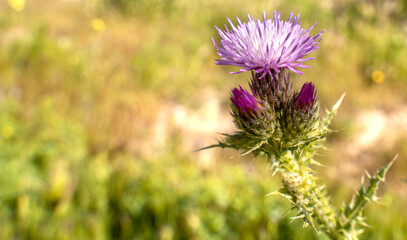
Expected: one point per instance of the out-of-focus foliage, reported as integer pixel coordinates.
(51, 188)
(84, 87)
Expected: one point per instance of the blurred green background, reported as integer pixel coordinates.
(104, 102)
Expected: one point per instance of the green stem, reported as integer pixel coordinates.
(306, 195)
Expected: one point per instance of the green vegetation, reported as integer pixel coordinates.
(84, 85)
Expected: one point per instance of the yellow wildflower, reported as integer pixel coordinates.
(17, 5)
(7, 131)
(98, 25)
(378, 76)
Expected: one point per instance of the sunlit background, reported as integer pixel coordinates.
(104, 102)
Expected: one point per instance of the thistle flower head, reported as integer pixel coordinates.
(266, 46)
(246, 104)
(307, 96)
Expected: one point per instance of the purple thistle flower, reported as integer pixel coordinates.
(247, 105)
(307, 96)
(267, 46)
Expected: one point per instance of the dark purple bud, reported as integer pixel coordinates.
(307, 96)
(245, 103)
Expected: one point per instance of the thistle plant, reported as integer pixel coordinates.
(284, 125)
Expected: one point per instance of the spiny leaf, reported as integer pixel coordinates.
(326, 121)
(363, 196)
(254, 148)
(381, 175)
(297, 217)
(220, 144)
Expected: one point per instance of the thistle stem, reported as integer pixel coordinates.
(307, 196)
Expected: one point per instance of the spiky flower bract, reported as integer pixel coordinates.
(266, 46)
(274, 89)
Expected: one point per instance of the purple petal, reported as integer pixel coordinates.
(266, 45)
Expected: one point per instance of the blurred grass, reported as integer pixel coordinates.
(91, 92)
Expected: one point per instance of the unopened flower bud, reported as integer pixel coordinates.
(292, 181)
(306, 98)
(299, 115)
(246, 104)
(251, 114)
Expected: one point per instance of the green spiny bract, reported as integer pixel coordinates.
(274, 89)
